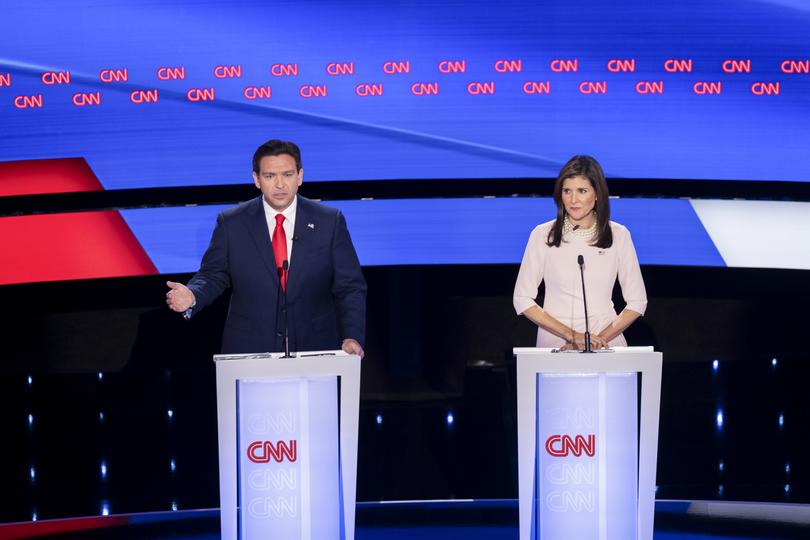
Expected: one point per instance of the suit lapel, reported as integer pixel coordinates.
(257, 225)
(302, 243)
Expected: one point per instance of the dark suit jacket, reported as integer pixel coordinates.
(326, 291)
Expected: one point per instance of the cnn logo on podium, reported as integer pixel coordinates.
(264, 451)
(565, 445)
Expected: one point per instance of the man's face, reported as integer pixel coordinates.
(278, 180)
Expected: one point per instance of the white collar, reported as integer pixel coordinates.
(288, 213)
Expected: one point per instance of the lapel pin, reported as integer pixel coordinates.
(311, 226)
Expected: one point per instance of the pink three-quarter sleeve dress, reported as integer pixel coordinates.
(558, 267)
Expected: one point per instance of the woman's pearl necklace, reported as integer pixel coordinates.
(579, 232)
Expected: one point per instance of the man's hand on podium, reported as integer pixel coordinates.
(352, 347)
(179, 298)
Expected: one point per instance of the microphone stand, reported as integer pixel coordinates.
(581, 262)
(282, 283)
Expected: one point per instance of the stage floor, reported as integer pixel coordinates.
(440, 520)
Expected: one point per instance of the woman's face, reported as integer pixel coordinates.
(579, 199)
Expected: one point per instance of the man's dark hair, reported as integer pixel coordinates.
(275, 147)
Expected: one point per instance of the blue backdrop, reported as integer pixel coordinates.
(745, 132)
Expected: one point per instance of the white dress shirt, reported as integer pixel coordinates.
(289, 222)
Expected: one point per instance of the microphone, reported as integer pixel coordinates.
(581, 263)
(282, 283)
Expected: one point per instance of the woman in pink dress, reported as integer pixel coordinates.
(582, 227)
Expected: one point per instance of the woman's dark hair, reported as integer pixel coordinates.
(588, 168)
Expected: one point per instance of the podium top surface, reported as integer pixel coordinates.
(616, 360)
(612, 350)
(278, 355)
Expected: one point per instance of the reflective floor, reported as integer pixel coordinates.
(474, 520)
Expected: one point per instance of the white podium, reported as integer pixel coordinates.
(288, 445)
(587, 447)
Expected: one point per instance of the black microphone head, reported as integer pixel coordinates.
(580, 260)
(286, 264)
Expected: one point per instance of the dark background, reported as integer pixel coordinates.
(439, 343)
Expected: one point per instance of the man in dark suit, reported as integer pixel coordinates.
(278, 242)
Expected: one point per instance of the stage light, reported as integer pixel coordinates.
(715, 365)
(787, 469)
(379, 419)
(773, 362)
(781, 420)
(721, 466)
(32, 473)
(34, 515)
(103, 470)
(100, 376)
(101, 417)
(105, 508)
(450, 419)
(30, 420)
(719, 419)
(170, 413)
(174, 506)
(30, 380)
(172, 465)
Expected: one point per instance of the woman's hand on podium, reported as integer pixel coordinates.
(597, 342)
(179, 298)
(578, 343)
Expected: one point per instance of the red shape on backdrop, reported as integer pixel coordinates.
(34, 177)
(81, 245)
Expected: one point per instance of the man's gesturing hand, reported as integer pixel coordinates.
(179, 298)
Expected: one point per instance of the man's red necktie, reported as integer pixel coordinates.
(280, 249)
